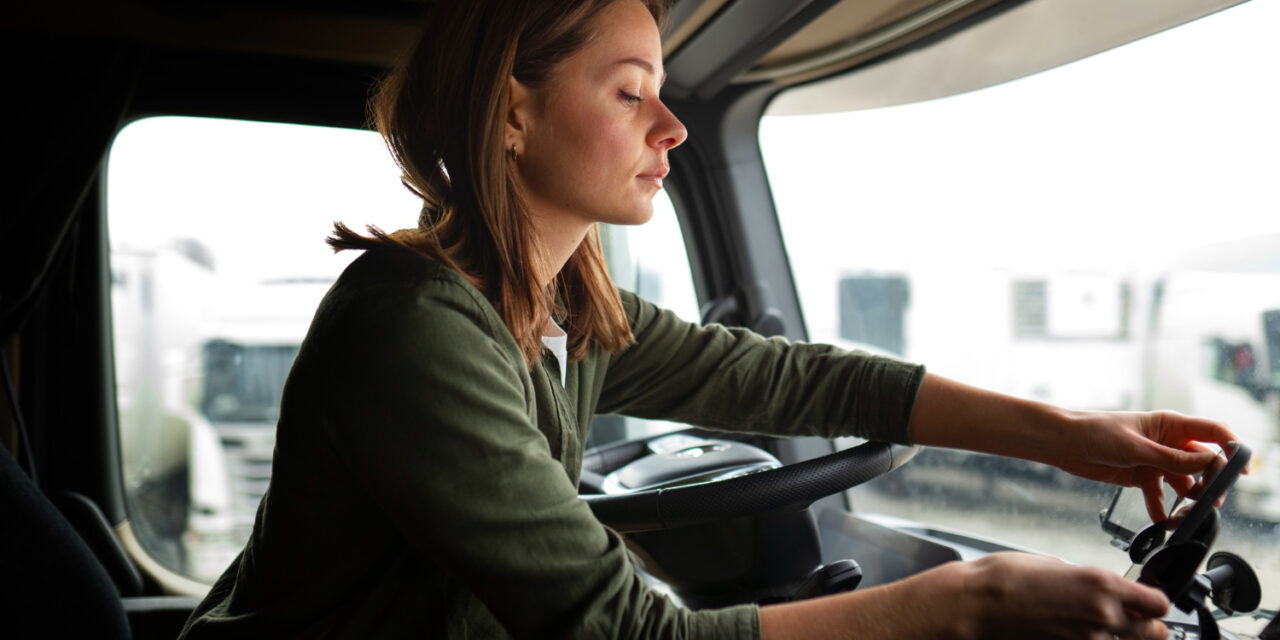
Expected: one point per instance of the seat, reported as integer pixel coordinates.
(59, 580)
(51, 584)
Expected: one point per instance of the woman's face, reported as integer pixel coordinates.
(593, 140)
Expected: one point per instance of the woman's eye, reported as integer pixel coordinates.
(629, 99)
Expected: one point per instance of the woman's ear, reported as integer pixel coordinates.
(519, 115)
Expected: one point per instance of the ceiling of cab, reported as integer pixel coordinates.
(839, 33)
(713, 43)
(709, 44)
(374, 31)
(834, 28)
(354, 31)
(1025, 39)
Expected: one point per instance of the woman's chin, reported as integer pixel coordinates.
(639, 216)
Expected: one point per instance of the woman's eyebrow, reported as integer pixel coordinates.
(644, 64)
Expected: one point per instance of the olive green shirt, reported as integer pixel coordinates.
(425, 480)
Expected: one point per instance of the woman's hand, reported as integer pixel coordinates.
(1143, 450)
(1004, 595)
(1025, 596)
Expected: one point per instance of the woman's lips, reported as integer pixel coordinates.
(655, 177)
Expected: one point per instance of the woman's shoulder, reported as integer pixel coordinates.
(634, 306)
(391, 286)
(393, 266)
(641, 313)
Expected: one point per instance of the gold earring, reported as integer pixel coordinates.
(514, 156)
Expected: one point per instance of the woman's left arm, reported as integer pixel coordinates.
(737, 380)
(1126, 448)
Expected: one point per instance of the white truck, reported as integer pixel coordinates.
(200, 365)
(1215, 351)
(1200, 335)
(243, 367)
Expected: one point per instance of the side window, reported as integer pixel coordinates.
(650, 260)
(218, 261)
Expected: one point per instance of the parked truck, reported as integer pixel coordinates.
(201, 364)
(1200, 335)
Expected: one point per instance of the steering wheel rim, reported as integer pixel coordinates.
(793, 486)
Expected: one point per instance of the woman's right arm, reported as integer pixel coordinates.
(1004, 595)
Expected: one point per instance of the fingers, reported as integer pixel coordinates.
(1112, 601)
(1188, 433)
(1143, 601)
(1201, 430)
(1174, 432)
(1145, 623)
(1055, 599)
(1181, 485)
(1144, 630)
(1139, 627)
(1176, 461)
(1123, 607)
(1153, 494)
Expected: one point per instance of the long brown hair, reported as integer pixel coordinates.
(442, 113)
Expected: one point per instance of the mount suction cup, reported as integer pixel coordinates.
(1235, 585)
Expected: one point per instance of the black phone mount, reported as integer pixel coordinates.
(1229, 582)
(1171, 566)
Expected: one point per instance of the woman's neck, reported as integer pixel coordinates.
(558, 238)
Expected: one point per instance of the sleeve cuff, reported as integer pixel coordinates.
(886, 416)
(742, 621)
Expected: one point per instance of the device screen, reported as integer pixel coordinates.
(1127, 514)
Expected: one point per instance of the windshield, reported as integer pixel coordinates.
(1103, 235)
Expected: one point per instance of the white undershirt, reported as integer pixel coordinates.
(558, 344)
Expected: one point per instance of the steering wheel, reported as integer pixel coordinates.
(794, 486)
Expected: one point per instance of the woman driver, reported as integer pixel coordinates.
(429, 447)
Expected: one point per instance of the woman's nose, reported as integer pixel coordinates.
(667, 131)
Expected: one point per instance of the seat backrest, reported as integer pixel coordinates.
(51, 584)
(87, 519)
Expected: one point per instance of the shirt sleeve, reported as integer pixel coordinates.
(435, 427)
(737, 380)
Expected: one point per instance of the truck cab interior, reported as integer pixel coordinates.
(981, 185)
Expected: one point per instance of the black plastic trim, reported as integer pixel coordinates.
(747, 30)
